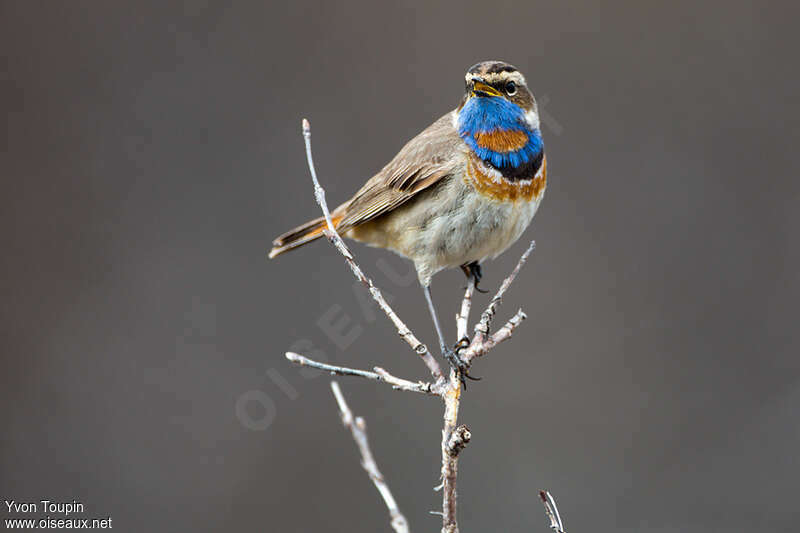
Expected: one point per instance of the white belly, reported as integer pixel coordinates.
(479, 228)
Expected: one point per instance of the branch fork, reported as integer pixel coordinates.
(448, 388)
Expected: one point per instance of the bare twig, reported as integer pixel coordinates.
(462, 318)
(319, 192)
(451, 446)
(552, 511)
(481, 342)
(506, 331)
(379, 374)
(358, 428)
(454, 438)
(486, 317)
(403, 384)
(452, 400)
(336, 240)
(458, 440)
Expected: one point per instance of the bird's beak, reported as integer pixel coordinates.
(481, 88)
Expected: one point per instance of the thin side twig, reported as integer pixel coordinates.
(506, 331)
(358, 428)
(481, 341)
(551, 510)
(403, 330)
(379, 374)
(487, 316)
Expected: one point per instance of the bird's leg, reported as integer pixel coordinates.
(446, 352)
(474, 270)
(451, 356)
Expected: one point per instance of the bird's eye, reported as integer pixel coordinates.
(511, 88)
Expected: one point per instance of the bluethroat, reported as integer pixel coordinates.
(460, 192)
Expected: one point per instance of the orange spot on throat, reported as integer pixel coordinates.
(502, 141)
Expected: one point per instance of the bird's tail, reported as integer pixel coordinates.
(301, 235)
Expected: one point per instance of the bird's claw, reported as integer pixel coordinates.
(460, 345)
(473, 270)
(456, 362)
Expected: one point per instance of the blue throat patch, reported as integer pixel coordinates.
(482, 114)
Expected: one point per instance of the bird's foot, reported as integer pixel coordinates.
(474, 271)
(461, 344)
(457, 363)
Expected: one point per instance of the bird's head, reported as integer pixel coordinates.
(497, 79)
(498, 117)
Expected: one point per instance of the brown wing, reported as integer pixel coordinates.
(426, 159)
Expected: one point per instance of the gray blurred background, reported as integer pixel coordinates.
(152, 151)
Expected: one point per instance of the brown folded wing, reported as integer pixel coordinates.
(426, 159)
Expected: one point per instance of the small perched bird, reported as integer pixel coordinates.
(460, 192)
